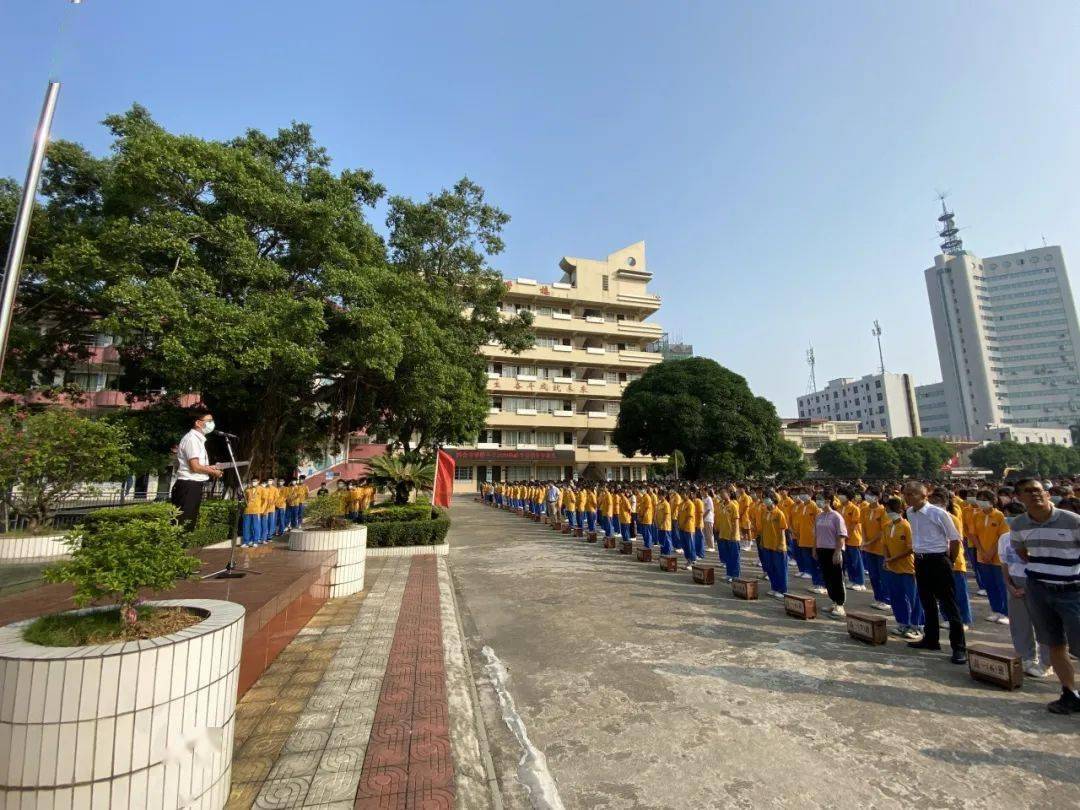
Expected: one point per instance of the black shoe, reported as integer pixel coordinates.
(1068, 703)
(959, 657)
(923, 645)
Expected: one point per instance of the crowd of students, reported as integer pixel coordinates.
(1020, 544)
(272, 508)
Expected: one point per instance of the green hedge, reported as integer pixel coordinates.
(217, 519)
(217, 523)
(413, 532)
(409, 511)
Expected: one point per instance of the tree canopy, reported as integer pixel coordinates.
(706, 411)
(246, 271)
(1043, 459)
(915, 457)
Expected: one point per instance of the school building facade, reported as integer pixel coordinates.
(553, 408)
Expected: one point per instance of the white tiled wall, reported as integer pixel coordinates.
(347, 575)
(145, 724)
(27, 549)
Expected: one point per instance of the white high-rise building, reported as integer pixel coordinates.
(1007, 338)
(880, 403)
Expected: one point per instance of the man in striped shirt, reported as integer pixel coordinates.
(1048, 541)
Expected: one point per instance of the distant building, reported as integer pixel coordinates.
(933, 410)
(810, 434)
(1007, 337)
(1028, 435)
(877, 403)
(672, 350)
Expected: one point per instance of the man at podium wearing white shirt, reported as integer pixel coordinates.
(193, 470)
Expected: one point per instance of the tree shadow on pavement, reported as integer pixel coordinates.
(1058, 767)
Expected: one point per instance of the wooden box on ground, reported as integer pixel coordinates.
(1002, 669)
(626, 547)
(801, 607)
(744, 588)
(609, 542)
(869, 628)
(704, 573)
(592, 537)
(669, 562)
(644, 555)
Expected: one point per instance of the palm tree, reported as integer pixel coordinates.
(401, 474)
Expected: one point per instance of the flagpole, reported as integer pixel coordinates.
(435, 480)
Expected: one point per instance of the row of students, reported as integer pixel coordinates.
(272, 508)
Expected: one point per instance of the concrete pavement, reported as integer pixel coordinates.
(640, 689)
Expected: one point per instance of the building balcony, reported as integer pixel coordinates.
(599, 454)
(537, 291)
(627, 359)
(563, 420)
(576, 325)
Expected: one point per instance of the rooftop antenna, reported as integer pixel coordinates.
(810, 361)
(876, 332)
(1044, 240)
(951, 244)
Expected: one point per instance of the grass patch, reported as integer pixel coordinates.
(103, 627)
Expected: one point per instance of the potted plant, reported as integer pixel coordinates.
(402, 474)
(326, 528)
(46, 458)
(121, 704)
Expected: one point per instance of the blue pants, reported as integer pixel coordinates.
(664, 536)
(614, 526)
(568, 516)
(625, 531)
(580, 520)
(854, 566)
(279, 518)
(905, 599)
(699, 544)
(776, 569)
(267, 526)
(962, 601)
(994, 582)
(973, 565)
(811, 563)
(686, 540)
(761, 556)
(250, 530)
(592, 520)
(730, 552)
(875, 565)
(605, 525)
(793, 553)
(292, 517)
(647, 534)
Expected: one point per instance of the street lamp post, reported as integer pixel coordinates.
(21, 230)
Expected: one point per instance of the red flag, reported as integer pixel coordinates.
(444, 479)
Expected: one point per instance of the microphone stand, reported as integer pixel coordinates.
(229, 571)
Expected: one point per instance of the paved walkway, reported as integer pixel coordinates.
(640, 689)
(356, 712)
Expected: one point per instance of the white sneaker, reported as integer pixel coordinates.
(1003, 620)
(880, 606)
(728, 579)
(818, 589)
(1035, 670)
(778, 595)
(804, 575)
(899, 630)
(772, 593)
(981, 592)
(993, 617)
(838, 610)
(857, 587)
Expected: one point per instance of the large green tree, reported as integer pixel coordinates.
(246, 272)
(841, 459)
(882, 460)
(703, 409)
(921, 457)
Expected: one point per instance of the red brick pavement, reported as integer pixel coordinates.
(408, 762)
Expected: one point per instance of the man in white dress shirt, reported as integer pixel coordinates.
(936, 544)
(193, 470)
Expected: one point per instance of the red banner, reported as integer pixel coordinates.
(444, 479)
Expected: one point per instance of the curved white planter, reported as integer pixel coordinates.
(347, 576)
(145, 724)
(33, 549)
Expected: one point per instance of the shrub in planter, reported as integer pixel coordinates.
(388, 534)
(327, 511)
(411, 511)
(116, 552)
(217, 523)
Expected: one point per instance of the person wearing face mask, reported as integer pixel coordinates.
(193, 470)
(794, 518)
(989, 524)
(830, 536)
(687, 519)
(251, 529)
(1035, 657)
(899, 573)
(663, 523)
(873, 524)
(774, 531)
(728, 534)
(807, 518)
(967, 514)
(853, 563)
(742, 497)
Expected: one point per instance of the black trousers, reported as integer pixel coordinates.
(187, 497)
(833, 575)
(934, 577)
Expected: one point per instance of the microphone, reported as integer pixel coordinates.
(226, 435)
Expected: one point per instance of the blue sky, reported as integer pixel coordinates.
(780, 159)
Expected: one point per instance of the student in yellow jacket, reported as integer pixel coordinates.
(900, 570)
(806, 543)
(773, 544)
(281, 497)
(873, 523)
(687, 519)
(989, 524)
(646, 516)
(943, 498)
(625, 513)
(728, 534)
(251, 532)
(663, 523)
(853, 561)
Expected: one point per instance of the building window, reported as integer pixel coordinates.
(463, 473)
(877, 383)
(879, 397)
(604, 281)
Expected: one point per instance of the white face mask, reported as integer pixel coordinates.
(804, 497)
(768, 501)
(982, 504)
(842, 498)
(893, 515)
(871, 498)
(208, 427)
(972, 501)
(820, 503)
